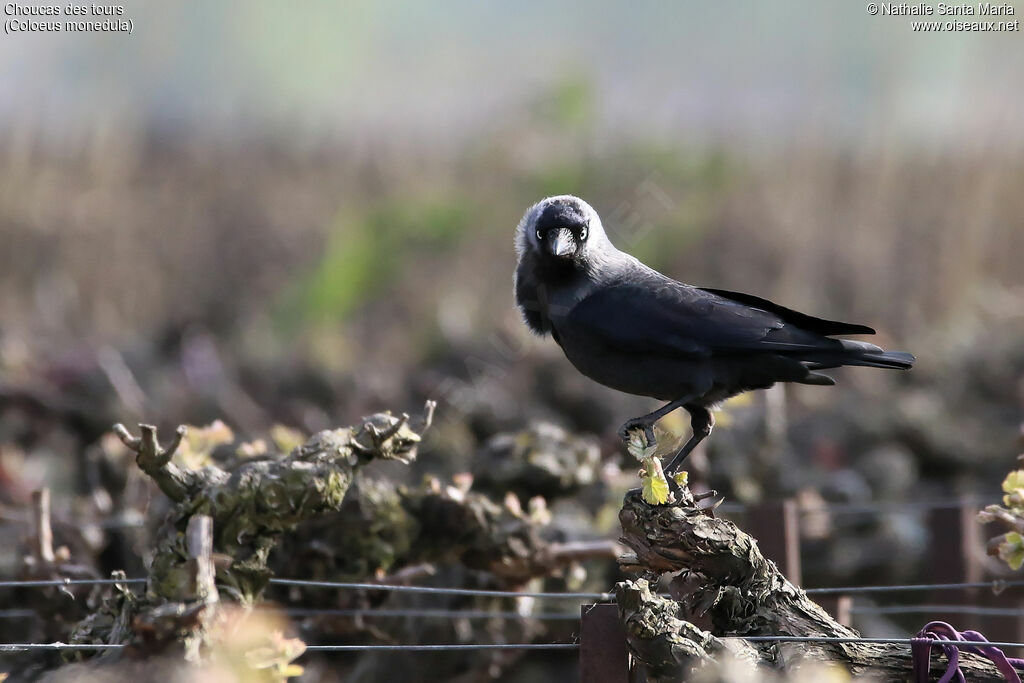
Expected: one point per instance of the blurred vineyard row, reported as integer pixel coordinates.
(175, 278)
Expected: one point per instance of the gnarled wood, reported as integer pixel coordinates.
(728, 586)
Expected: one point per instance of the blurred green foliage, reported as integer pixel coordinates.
(363, 253)
(569, 104)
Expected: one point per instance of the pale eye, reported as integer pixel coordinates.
(583, 233)
(540, 236)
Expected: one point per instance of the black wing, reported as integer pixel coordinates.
(665, 317)
(801, 320)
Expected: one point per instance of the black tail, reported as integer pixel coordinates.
(892, 360)
(869, 355)
(862, 354)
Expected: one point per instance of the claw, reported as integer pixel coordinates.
(631, 425)
(710, 493)
(674, 487)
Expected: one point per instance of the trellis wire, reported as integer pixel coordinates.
(301, 612)
(384, 613)
(428, 614)
(895, 506)
(880, 641)
(445, 647)
(16, 647)
(23, 647)
(843, 508)
(432, 589)
(996, 584)
(948, 609)
(112, 523)
(30, 583)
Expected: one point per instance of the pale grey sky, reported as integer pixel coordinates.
(752, 70)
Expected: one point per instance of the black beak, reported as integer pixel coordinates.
(561, 243)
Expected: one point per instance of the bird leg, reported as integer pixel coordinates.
(646, 422)
(702, 421)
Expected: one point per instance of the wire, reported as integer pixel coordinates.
(845, 508)
(120, 522)
(67, 582)
(909, 506)
(429, 613)
(882, 641)
(17, 647)
(430, 648)
(948, 609)
(21, 647)
(996, 585)
(432, 589)
(323, 584)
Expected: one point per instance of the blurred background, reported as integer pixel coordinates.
(280, 215)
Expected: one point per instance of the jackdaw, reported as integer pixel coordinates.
(629, 327)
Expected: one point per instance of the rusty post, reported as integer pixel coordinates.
(776, 528)
(839, 606)
(603, 654)
(956, 557)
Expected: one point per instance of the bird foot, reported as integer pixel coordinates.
(710, 493)
(674, 487)
(638, 423)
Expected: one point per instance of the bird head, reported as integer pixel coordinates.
(559, 230)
